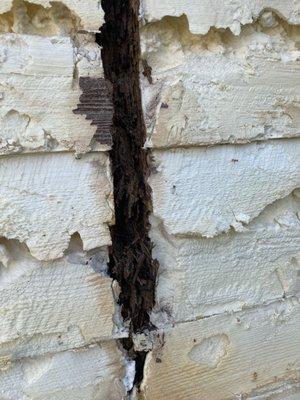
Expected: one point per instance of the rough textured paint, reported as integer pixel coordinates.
(225, 220)
(225, 223)
(204, 14)
(37, 302)
(93, 373)
(31, 67)
(60, 321)
(287, 390)
(200, 277)
(262, 347)
(46, 16)
(44, 199)
(219, 88)
(216, 189)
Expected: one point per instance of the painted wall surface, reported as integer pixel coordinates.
(59, 320)
(221, 95)
(222, 109)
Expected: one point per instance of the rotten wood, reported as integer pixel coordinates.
(131, 262)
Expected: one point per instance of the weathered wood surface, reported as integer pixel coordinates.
(220, 88)
(226, 356)
(96, 104)
(207, 191)
(48, 307)
(45, 198)
(40, 90)
(200, 277)
(93, 373)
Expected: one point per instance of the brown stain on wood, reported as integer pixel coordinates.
(96, 103)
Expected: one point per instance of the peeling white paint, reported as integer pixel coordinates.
(89, 13)
(226, 219)
(225, 223)
(220, 88)
(60, 321)
(39, 90)
(37, 307)
(204, 14)
(130, 375)
(93, 373)
(223, 187)
(44, 199)
(201, 277)
(263, 347)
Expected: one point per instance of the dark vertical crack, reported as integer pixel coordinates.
(131, 262)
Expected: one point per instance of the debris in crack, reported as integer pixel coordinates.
(131, 262)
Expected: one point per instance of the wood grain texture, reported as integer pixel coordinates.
(49, 307)
(226, 357)
(46, 198)
(93, 373)
(200, 277)
(96, 104)
(221, 88)
(207, 191)
(39, 90)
